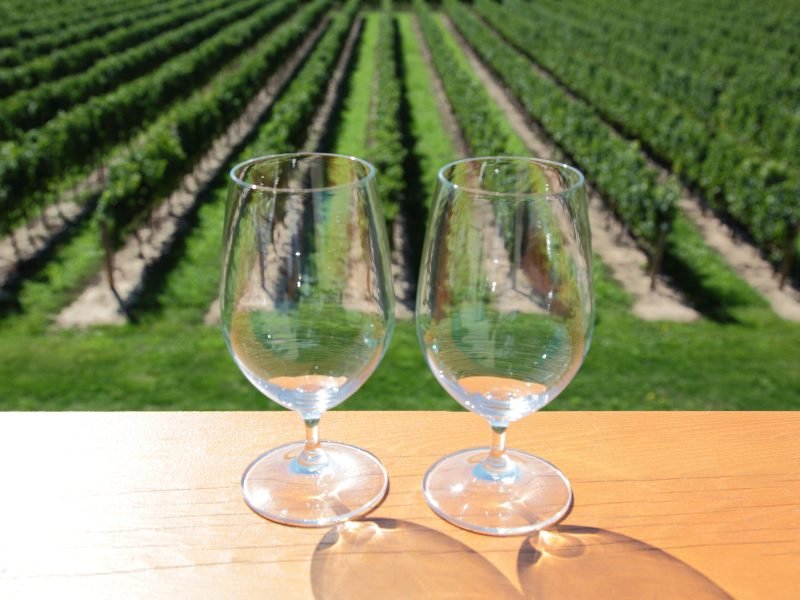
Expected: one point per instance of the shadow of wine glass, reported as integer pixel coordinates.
(585, 562)
(389, 558)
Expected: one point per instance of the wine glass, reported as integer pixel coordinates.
(307, 311)
(505, 312)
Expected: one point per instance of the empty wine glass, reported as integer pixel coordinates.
(307, 311)
(505, 312)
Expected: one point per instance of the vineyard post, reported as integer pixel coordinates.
(14, 243)
(788, 254)
(518, 226)
(658, 255)
(48, 227)
(108, 252)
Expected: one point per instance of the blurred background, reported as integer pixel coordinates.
(120, 121)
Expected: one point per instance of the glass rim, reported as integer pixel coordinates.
(370, 175)
(522, 159)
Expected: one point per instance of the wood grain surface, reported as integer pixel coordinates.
(667, 505)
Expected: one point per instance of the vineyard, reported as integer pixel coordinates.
(120, 121)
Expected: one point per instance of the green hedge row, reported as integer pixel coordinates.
(386, 150)
(74, 138)
(51, 15)
(766, 29)
(290, 115)
(760, 192)
(46, 69)
(468, 99)
(88, 31)
(745, 90)
(174, 143)
(644, 204)
(29, 108)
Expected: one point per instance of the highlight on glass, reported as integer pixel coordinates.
(505, 312)
(307, 311)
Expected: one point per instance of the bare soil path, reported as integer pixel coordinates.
(744, 259)
(626, 261)
(97, 304)
(35, 237)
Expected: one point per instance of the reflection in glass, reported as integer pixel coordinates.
(307, 312)
(505, 313)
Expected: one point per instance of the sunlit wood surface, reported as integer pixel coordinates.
(670, 505)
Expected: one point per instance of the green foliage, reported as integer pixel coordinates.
(291, 113)
(169, 147)
(618, 169)
(111, 63)
(168, 361)
(433, 146)
(77, 136)
(55, 23)
(136, 27)
(467, 97)
(137, 181)
(616, 166)
(701, 120)
(386, 150)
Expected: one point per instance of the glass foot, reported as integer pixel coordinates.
(530, 496)
(350, 483)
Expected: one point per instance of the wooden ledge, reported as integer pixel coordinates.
(148, 505)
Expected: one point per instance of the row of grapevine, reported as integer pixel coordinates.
(467, 98)
(758, 191)
(82, 55)
(386, 150)
(73, 138)
(29, 108)
(288, 120)
(52, 33)
(290, 115)
(644, 204)
(751, 28)
(750, 98)
(174, 143)
(25, 24)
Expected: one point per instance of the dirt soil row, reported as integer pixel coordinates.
(610, 241)
(745, 260)
(97, 304)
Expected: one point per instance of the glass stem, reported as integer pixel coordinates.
(497, 454)
(312, 435)
(313, 457)
(498, 441)
(498, 465)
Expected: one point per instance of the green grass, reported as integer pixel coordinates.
(352, 129)
(41, 296)
(161, 364)
(632, 365)
(514, 144)
(433, 146)
(164, 365)
(708, 281)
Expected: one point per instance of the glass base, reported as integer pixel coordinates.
(350, 483)
(529, 495)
